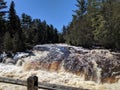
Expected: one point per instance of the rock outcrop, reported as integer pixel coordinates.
(95, 66)
(8, 61)
(98, 65)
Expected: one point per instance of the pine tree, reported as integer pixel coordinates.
(18, 45)
(2, 22)
(97, 21)
(55, 36)
(14, 21)
(26, 21)
(104, 22)
(79, 30)
(116, 24)
(64, 32)
(81, 9)
(36, 39)
(2, 6)
(60, 38)
(7, 42)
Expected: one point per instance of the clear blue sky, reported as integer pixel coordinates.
(55, 12)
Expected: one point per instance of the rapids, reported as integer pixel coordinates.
(96, 69)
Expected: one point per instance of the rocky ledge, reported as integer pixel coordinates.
(99, 65)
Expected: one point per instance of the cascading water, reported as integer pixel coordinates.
(97, 71)
(70, 65)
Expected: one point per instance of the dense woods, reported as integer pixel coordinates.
(94, 23)
(22, 33)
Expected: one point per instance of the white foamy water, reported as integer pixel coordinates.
(98, 71)
(61, 78)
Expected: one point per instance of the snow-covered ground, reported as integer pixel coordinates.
(62, 78)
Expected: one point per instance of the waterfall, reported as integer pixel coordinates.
(97, 71)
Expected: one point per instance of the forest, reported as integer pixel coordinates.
(96, 23)
(21, 33)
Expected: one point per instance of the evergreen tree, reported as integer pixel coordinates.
(27, 35)
(24, 33)
(18, 45)
(60, 38)
(104, 24)
(2, 22)
(26, 21)
(55, 36)
(81, 9)
(2, 6)
(97, 21)
(36, 39)
(15, 29)
(14, 21)
(7, 42)
(64, 32)
(116, 24)
(79, 31)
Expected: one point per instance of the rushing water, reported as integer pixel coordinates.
(98, 71)
(62, 78)
(68, 65)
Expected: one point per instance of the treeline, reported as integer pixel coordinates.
(22, 33)
(95, 23)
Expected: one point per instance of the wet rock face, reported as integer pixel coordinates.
(56, 53)
(95, 66)
(9, 61)
(98, 65)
